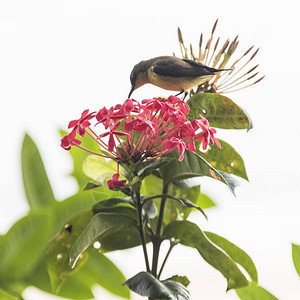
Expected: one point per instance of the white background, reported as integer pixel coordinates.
(58, 58)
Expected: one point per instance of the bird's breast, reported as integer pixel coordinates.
(175, 83)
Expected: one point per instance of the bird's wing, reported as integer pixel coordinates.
(176, 67)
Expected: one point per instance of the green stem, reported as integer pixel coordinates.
(141, 229)
(157, 239)
(172, 244)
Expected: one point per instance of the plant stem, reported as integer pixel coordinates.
(141, 229)
(172, 244)
(157, 240)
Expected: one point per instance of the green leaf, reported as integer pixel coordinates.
(24, 244)
(151, 186)
(93, 267)
(100, 270)
(58, 249)
(181, 279)
(254, 292)
(178, 290)
(121, 210)
(225, 159)
(79, 156)
(145, 284)
(183, 201)
(193, 165)
(190, 234)
(190, 204)
(296, 257)
(92, 185)
(195, 196)
(235, 253)
(220, 111)
(151, 166)
(36, 183)
(7, 296)
(99, 225)
(98, 169)
(72, 287)
(112, 202)
(125, 238)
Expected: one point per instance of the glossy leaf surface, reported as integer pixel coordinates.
(57, 252)
(193, 165)
(145, 284)
(99, 225)
(220, 111)
(189, 234)
(235, 253)
(225, 159)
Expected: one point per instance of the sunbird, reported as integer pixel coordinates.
(171, 73)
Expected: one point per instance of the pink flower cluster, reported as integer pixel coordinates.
(136, 131)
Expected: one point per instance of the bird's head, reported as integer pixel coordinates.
(138, 76)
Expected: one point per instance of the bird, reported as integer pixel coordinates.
(171, 73)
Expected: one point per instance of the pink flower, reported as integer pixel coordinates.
(207, 135)
(172, 143)
(104, 116)
(69, 140)
(82, 123)
(150, 130)
(115, 182)
(111, 134)
(141, 125)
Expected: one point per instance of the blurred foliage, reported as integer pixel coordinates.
(24, 246)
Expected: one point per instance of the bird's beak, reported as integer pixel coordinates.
(131, 91)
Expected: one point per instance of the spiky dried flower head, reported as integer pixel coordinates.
(214, 55)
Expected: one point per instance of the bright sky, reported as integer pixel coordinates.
(58, 58)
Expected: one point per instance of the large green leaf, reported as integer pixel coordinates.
(7, 296)
(100, 270)
(296, 257)
(254, 292)
(220, 111)
(91, 268)
(190, 234)
(226, 159)
(57, 252)
(145, 284)
(24, 244)
(193, 165)
(36, 183)
(100, 225)
(125, 238)
(72, 287)
(235, 253)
